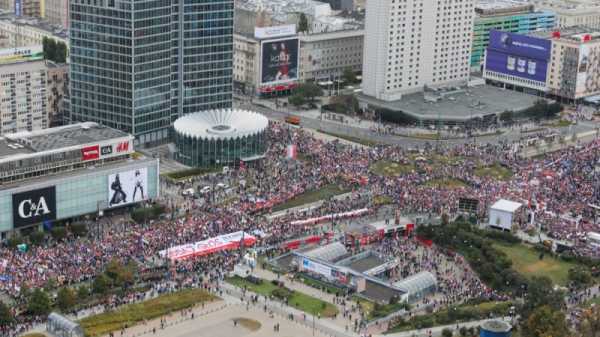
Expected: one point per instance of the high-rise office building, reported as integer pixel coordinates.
(139, 65)
(410, 44)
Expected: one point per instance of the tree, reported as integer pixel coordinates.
(100, 285)
(349, 75)
(344, 104)
(446, 332)
(58, 233)
(302, 23)
(580, 276)
(83, 292)
(39, 303)
(36, 238)
(309, 91)
(6, 316)
(540, 292)
(297, 100)
(544, 321)
(590, 323)
(65, 299)
(55, 51)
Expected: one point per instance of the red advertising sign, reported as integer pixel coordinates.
(90, 153)
(123, 146)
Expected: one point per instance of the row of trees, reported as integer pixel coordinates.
(540, 110)
(116, 277)
(55, 51)
(58, 233)
(542, 309)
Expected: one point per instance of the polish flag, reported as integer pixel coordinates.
(292, 151)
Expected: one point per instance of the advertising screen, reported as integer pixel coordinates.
(279, 61)
(518, 55)
(34, 206)
(127, 187)
(588, 70)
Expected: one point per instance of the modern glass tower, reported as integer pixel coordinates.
(137, 65)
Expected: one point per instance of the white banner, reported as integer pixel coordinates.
(329, 217)
(208, 246)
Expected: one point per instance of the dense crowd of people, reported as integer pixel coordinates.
(555, 189)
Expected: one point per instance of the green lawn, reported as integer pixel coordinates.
(298, 300)
(390, 169)
(495, 171)
(357, 140)
(526, 261)
(131, 314)
(308, 197)
(445, 182)
(379, 200)
(319, 284)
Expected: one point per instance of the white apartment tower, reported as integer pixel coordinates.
(23, 99)
(410, 44)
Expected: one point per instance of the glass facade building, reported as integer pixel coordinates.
(521, 23)
(139, 65)
(85, 192)
(220, 137)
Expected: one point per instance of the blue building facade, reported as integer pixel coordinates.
(521, 23)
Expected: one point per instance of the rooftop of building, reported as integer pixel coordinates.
(456, 104)
(575, 33)
(281, 6)
(502, 7)
(221, 124)
(107, 166)
(38, 23)
(29, 142)
(567, 5)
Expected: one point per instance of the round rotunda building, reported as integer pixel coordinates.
(220, 137)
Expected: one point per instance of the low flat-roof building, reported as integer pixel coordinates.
(453, 106)
(60, 173)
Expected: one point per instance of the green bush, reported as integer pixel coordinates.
(36, 238)
(14, 241)
(282, 293)
(58, 233)
(143, 214)
(79, 229)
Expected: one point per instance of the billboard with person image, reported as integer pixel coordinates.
(127, 187)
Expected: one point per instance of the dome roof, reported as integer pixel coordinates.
(221, 124)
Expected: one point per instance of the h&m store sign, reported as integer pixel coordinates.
(35, 206)
(105, 150)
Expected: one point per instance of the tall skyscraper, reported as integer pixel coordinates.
(139, 65)
(410, 44)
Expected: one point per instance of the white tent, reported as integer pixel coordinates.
(502, 213)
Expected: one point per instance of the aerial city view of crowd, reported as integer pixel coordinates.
(557, 190)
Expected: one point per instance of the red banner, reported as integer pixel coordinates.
(90, 153)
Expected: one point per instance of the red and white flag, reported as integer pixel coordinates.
(292, 151)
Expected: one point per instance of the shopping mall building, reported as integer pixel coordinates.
(66, 172)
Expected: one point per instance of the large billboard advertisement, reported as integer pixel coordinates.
(127, 187)
(588, 70)
(34, 206)
(518, 55)
(279, 61)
